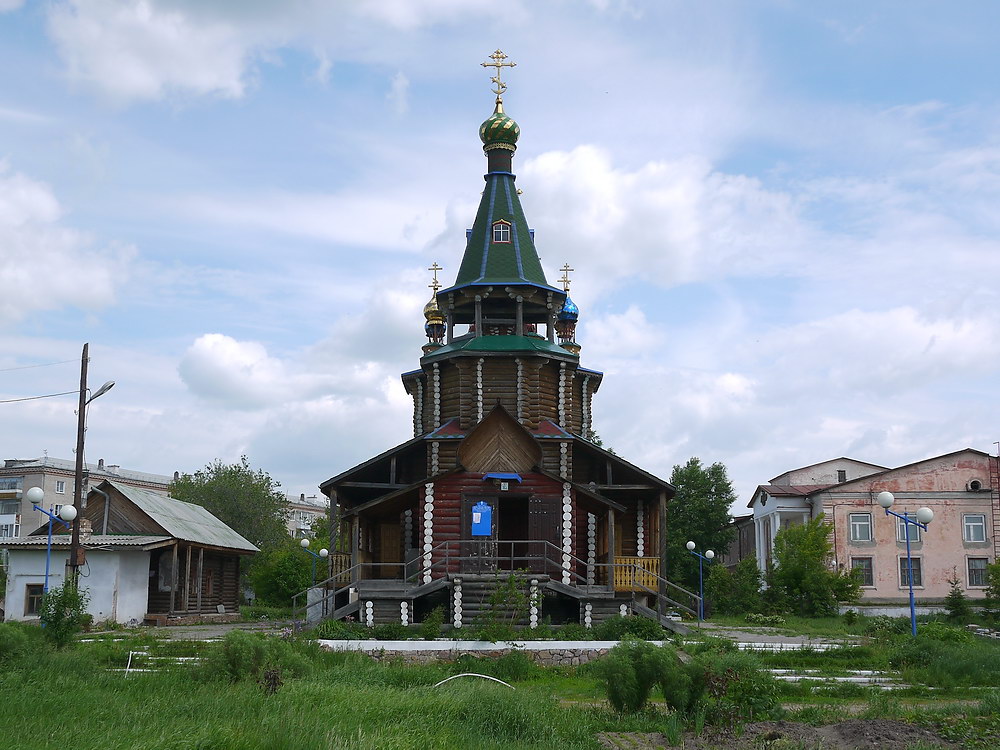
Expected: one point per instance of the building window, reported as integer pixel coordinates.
(901, 530)
(33, 598)
(864, 565)
(501, 232)
(841, 476)
(974, 525)
(9, 507)
(60, 487)
(8, 530)
(977, 571)
(918, 579)
(861, 527)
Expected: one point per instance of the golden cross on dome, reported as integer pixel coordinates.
(498, 58)
(435, 285)
(565, 277)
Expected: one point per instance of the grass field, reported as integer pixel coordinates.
(60, 699)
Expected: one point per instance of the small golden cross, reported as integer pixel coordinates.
(498, 58)
(435, 285)
(565, 277)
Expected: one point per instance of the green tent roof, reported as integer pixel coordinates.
(501, 344)
(489, 262)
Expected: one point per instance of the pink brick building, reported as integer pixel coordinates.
(964, 537)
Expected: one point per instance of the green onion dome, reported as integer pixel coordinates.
(499, 131)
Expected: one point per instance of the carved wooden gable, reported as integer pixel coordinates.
(499, 444)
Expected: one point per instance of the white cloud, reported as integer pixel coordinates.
(8, 5)
(139, 49)
(668, 222)
(398, 96)
(44, 265)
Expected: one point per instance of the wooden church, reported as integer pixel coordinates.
(502, 475)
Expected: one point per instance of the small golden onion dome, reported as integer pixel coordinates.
(432, 313)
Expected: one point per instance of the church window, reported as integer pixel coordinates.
(501, 232)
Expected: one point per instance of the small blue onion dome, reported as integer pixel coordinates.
(569, 310)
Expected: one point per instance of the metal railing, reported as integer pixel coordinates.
(533, 556)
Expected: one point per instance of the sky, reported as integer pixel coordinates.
(782, 216)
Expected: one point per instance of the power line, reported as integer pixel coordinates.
(29, 367)
(32, 398)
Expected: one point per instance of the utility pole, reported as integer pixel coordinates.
(76, 553)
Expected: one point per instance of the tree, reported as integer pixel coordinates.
(246, 499)
(957, 603)
(699, 512)
(281, 571)
(801, 577)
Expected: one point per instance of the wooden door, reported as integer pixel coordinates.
(391, 551)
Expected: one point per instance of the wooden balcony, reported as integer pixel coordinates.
(644, 574)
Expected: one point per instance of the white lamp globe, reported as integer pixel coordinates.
(709, 554)
(324, 553)
(35, 495)
(304, 543)
(67, 513)
(690, 545)
(885, 499)
(925, 515)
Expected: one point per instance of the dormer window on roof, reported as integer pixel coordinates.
(501, 231)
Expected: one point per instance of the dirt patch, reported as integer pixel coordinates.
(852, 734)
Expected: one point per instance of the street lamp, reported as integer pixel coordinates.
(924, 517)
(707, 557)
(66, 514)
(323, 553)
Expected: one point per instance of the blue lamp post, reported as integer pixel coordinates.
(923, 517)
(707, 557)
(66, 515)
(323, 553)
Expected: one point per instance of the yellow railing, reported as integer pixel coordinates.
(644, 574)
(339, 564)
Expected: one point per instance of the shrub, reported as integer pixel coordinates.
(630, 670)
(63, 613)
(617, 627)
(850, 617)
(430, 628)
(279, 573)
(14, 643)
(882, 625)
(939, 631)
(391, 631)
(574, 631)
(338, 630)
(736, 592)
(246, 656)
(737, 687)
(755, 618)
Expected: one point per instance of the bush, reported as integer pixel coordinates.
(14, 643)
(574, 631)
(617, 627)
(391, 631)
(736, 592)
(850, 617)
(247, 656)
(277, 574)
(737, 687)
(63, 613)
(631, 669)
(755, 618)
(883, 625)
(430, 628)
(338, 630)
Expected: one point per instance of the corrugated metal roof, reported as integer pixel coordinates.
(185, 521)
(96, 540)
